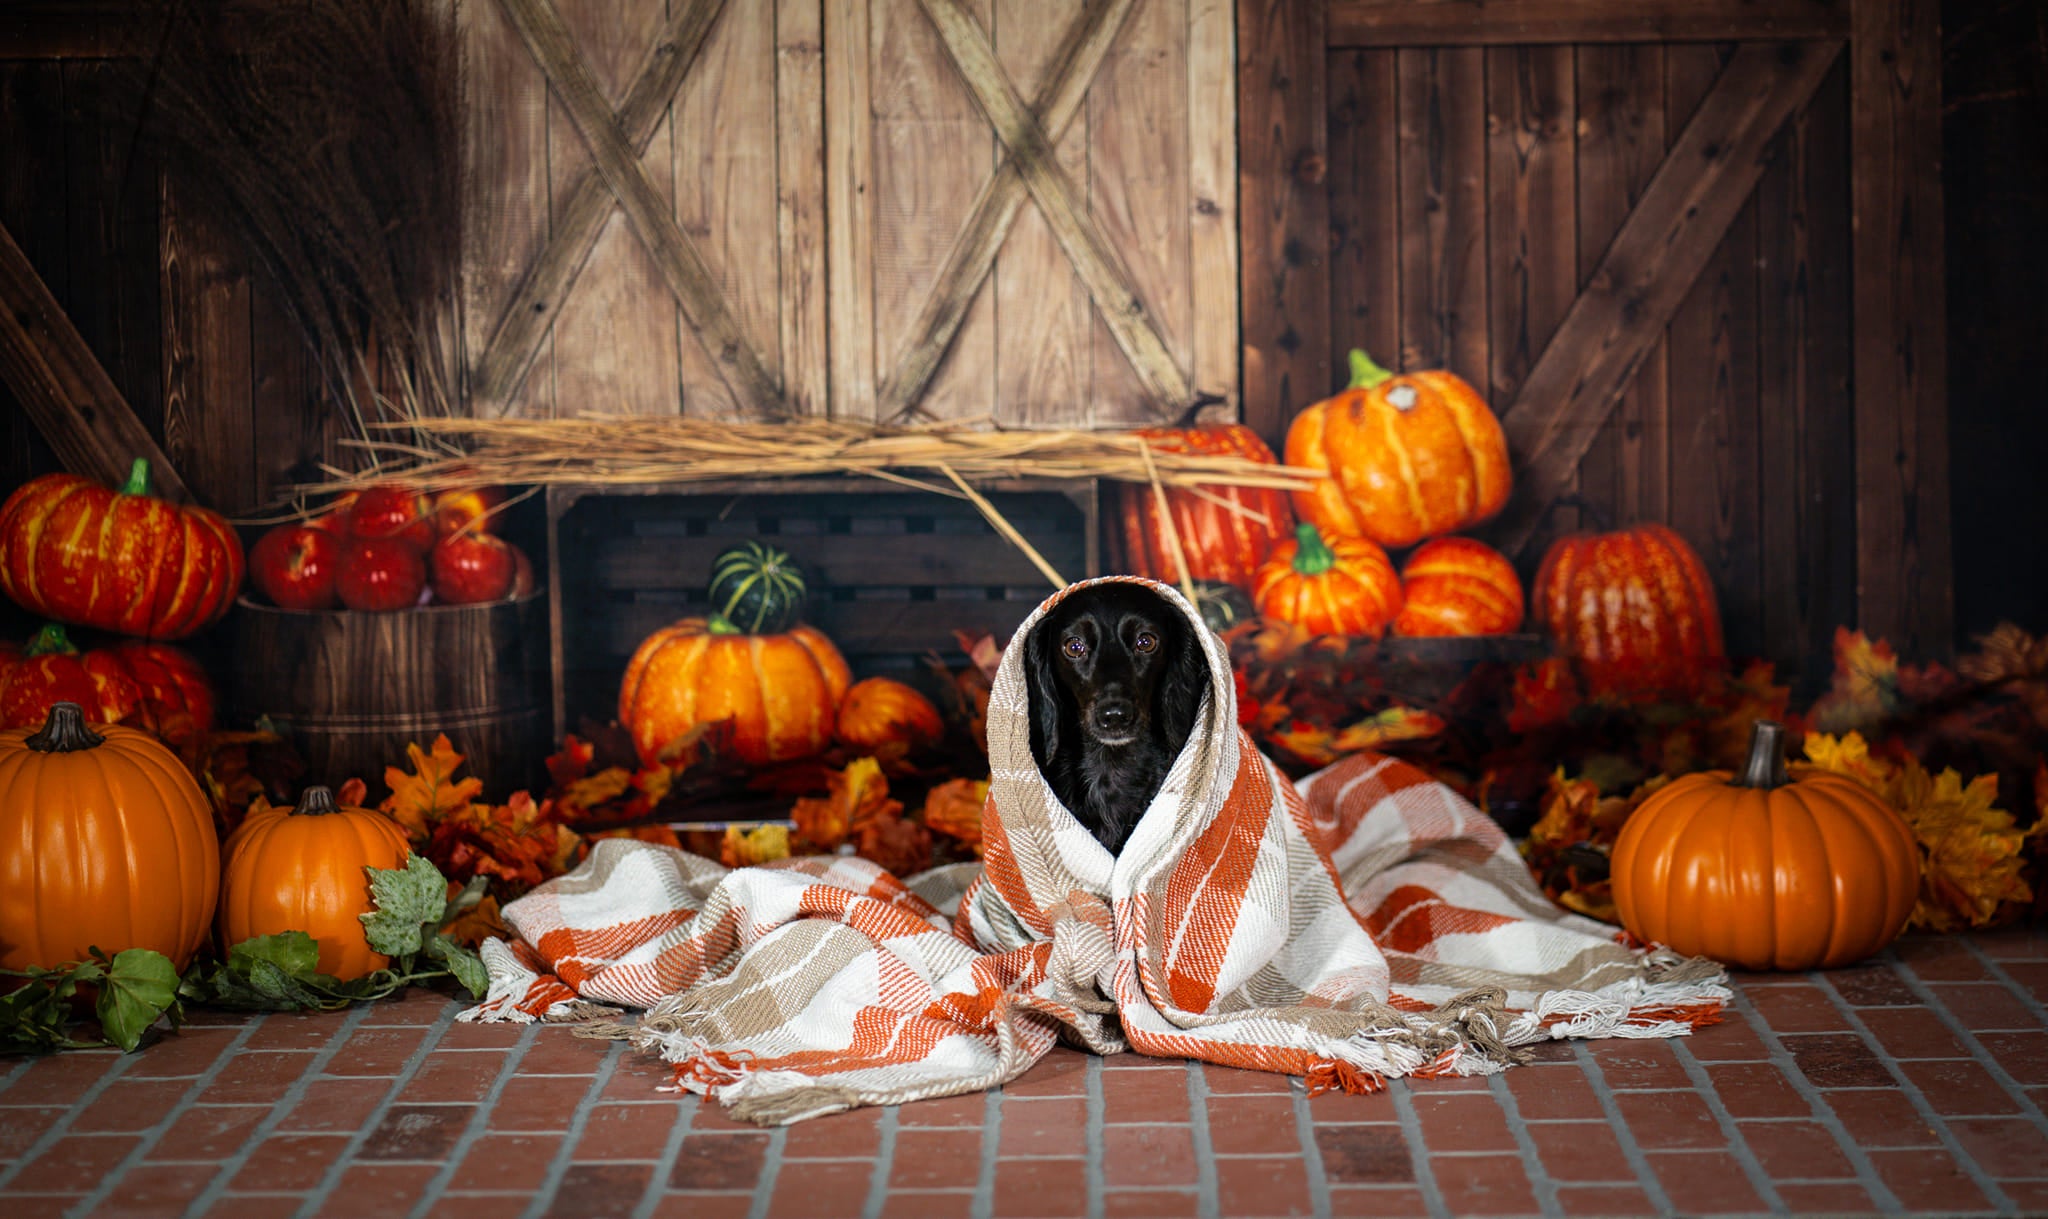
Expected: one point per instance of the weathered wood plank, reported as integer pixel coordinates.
(1403, 23)
(1903, 575)
(804, 359)
(508, 341)
(1651, 265)
(1365, 243)
(208, 429)
(851, 309)
(1212, 186)
(295, 425)
(1284, 217)
(1443, 211)
(112, 297)
(32, 146)
(1531, 220)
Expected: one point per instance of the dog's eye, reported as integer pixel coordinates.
(1077, 648)
(1146, 641)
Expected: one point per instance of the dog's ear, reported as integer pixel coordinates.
(1181, 688)
(1044, 688)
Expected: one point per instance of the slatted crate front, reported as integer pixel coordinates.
(893, 573)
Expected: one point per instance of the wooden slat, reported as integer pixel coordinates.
(508, 340)
(1531, 220)
(858, 628)
(1365, 244)
(837, 560)
(113, 296)
(1903, 574)
(849, 210)
(208, 429)
(1696, 193)
(1442, 155)
(1404, 23)
(1212, 268)
(1284, 217)
(32, 146)
(804, 359)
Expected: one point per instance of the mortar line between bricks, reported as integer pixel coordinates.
(771, 1172)
(1418, 1149)
(1093, 1165)
(1311, 1151)
(62, 1126)
(1823, 1107)
(1624, 1134)
(984, 1204)
(318, 1195)
(1207, 1202)
(665, 1167)
(479, 1121)
(13, 1073)
(1525, 1145)
(1990, 1061)
(1738, 1146)
(1968, 1163)
(479, 1124)
(154, 1134)
(878, 1180)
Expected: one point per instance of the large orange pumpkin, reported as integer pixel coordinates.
(1225, 531)
(1456, 586)
(122, 561)
(1342, 586)
(1410, 456)
(879, 711)
(105, 842)
(1633, 609)
(151, 686)
(780, 694)
(301, 869)
(1764, 871)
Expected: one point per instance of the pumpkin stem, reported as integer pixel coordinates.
(65, 731)
(138, 478)
(51, 641)
(1364, 373)
(1766, 766)
(1314, 556)
(316, 801)
(721, 625)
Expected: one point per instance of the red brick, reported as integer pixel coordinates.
(2023, 1055)
(2017, 943)
(1928, 1180)
(1939, 957)
(295, 1031)
(855, 1134)
(479, 1035)
(207, 1132)
(1252, 1125)
(1542, 1093)
(417, 1132)
(1844, 1198)
(1463, 1123)
(1959, 1088)
(936, 1159)
(1365, 1155)
(1060, 1073)
(710, 1117)
(1878, 1118)
(1552, 1051)
(1986, 1007)
(377, 1191)
(1230, 1081)
(1263, 1186)
(184, 1053)
(1057, 1127)
(821, 1191)
(1913, 1032)
(2002, 1147)
(1581, 1151)
(1797, 1008)
(1757, 1089)
(336, 1104)
(377, 1051)
(1338, 1107)
(446, 1076)
(928, 1205)
(1839, 1061)
(40, 1206)
(2028, 1197)
(1448, 1083)
(600, 1191)
(255, 1206)
(1146, 1204)
(544, 1102)
(59, 1079)
(1145, 1096)
(2032, 977)
(286, 1163)
(21, 1127)
(632, 1132)
(1705, 1183)
(557, 1051)
(1041, 1187)
(1490, 1184)
(414, 1005)
(1734, 1039)
(704, 1206)
(508, 1161)
(1390, 1201)
(1872, 985)
(1669, 1119)
(1626, 1063)
(639, 1077)
(256, 1077)
(150, 1190)
(1799, 1150)
(1147, 1155)
(1604, 1200)
(967, 1109)
(72, 1161)
(720, 1161)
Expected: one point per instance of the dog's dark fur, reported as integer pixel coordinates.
(1108, 713)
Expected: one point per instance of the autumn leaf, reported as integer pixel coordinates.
(352, 793)
(430, 792)
(859, 794)
(480, 922)
(2011, 657)
(1542, 695)
(1386, 727)
(1850, 755)
(659, 835)
(746, 848)
(571, 762)
(1865, 690)
(953, 808)
(898, 845)
(577, 798)
(1972, 847)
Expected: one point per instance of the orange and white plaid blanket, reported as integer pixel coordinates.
(1368, 924)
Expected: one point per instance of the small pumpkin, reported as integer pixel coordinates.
(106, 842)
(1765, 871)
(780, 693)
(879, 711)
(300, 868)
(1410, 456)
(1457, 586)
(1335, 586)
(152, 686)
(1633, 609)
(1223, 606)
(122, 561)
(757, 588)
(1225, 531)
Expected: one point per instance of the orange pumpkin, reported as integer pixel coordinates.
(878, 712)
(780, 694)
(1342, 586)
(1764, 871)
(1225, 531)
(1633, 609)
(1410, 456)
(151, 686)
(105, 842)
(301, 869)
(1456, 586)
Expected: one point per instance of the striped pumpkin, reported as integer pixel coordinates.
(779, 694)
(1456, 586)
(757, 588)
(1225, 532)
(1345, 586)
(1633, 609)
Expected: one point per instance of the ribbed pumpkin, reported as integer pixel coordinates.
(1220, 543)
(1339, 586)
(879, 711)
(121, 561)
(1410, 456)
(757, 588)
(301, 869)
(105, 841)
(151, 686)
(1633, 609)
(780, 693)
(1764, 871)
(1456, 586)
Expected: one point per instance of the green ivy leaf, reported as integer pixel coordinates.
(138, 987)
(466, 966)
(294, 952)
(411, 902)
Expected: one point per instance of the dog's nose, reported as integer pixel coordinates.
(1115, 717)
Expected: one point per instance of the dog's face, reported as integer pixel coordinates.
(1113, 664)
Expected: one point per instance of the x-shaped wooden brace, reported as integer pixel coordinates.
(616, 140)
(1029, 135)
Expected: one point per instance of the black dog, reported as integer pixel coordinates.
(1115, 677)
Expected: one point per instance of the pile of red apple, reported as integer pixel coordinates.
(392, 548)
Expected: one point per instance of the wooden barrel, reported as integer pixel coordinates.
(352, 689)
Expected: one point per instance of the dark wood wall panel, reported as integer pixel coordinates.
(1365, 242)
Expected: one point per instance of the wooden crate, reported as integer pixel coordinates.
(893, 572)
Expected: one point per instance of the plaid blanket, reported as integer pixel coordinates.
(1366, 924)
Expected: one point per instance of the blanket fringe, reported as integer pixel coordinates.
(783, 1106)
(1334, 1074)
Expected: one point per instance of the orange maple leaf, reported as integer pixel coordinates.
(898, 845)
(859, 794)
(571, 762)
(430, 793)
(953, 808)
(1543, 695)
(480, 922)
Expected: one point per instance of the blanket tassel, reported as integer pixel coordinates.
(793, 1105)
(1334, 1074)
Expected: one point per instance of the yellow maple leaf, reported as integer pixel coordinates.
(1849, 755)
(859, 795)
(1972, 847)
(746, 848)
(430, 793)
(1865, 690)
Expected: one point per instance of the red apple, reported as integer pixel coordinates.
(335, 519)
(393, 512)
(473, 567)
(380, 574)
(467, 507)
(295, 565)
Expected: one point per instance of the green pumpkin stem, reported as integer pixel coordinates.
(1314, 556)
(65, 731)
(138, 478)
(722, 625)
(1766, 766)
(1364, 373)
(51, 641)
(316, 801)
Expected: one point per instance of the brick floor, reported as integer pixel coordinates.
(1913, 1084)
